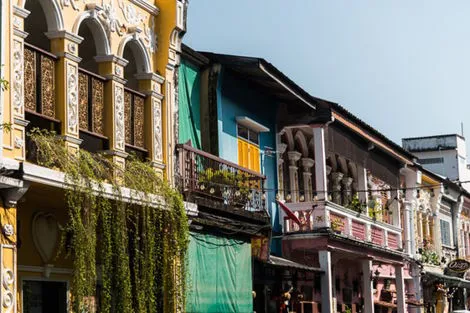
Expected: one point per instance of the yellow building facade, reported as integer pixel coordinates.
(101, 75)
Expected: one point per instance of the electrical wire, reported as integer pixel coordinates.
(198, 183)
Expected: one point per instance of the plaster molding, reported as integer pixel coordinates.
(152, 93)
(157, 129)
(72, 98)
(143, 4)
(18, 78)
(39, 269)
(111, 58)
(117, 153)
(20, 121)
(45, 231)
(116, 78)
(20, 33)
(20, 12)
(63, 34)
(151, 76)
(69, 56)
(71, 139)
(119, 142)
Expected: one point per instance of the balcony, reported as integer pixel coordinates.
(344, 222)
(91, 111)
(134, 107)
(219, 184)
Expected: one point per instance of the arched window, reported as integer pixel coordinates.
(134, 101)
(39, 69)
(91, 86)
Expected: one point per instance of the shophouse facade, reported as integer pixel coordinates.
(102, 77)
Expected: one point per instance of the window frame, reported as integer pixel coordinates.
(448, 243)
(249, 131)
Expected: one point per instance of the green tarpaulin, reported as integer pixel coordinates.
(189, 108)
(220, 275)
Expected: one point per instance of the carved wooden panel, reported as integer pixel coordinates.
(128, 117)
(30, 79)
(139, 121)
(47, 86)
(98, 105)
(83, 100)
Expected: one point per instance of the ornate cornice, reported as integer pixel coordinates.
(150, 8)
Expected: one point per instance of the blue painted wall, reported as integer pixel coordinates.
(237, 97)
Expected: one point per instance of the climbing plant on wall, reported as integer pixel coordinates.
(127, 224)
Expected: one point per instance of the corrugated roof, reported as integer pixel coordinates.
(251, 69)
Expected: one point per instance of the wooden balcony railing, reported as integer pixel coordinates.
(134, 118)
(344, 222)
(39, 81)
(91, 111)
(206, 176)
(91, 102)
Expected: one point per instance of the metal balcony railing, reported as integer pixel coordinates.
(224, 183)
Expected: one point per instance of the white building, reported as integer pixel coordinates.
(445, 155)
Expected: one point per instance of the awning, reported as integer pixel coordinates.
(281, 262)
(452, 281)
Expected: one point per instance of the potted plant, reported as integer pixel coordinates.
(234, 187)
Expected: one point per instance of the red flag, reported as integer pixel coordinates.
(289, 213)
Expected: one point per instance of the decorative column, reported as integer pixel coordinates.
(307, 164)
(407, 226)
(14, 140)
(363, 195)
(281, 148)
(320, 162)
(346, 182)
(151, 85)
(336, 178)
(65, 46)
(112, 67)
(294, 156)
(400, 285)
(326, 282)
(367, 286)
(419, 224)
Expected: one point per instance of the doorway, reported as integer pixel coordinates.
(44, 296)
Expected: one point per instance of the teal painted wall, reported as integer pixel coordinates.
(220, 275)
(189, 117)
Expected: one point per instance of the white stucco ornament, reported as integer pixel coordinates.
(130, 13)
(150, 36)
(8, 230)
(8, 282)
(45, 235)
(72, 98)
(119, 117)
(109, 17)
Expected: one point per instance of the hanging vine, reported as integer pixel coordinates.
(128, 225)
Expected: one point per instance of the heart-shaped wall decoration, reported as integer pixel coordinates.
(45, 235)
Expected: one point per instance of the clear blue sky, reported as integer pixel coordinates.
(402, 66)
